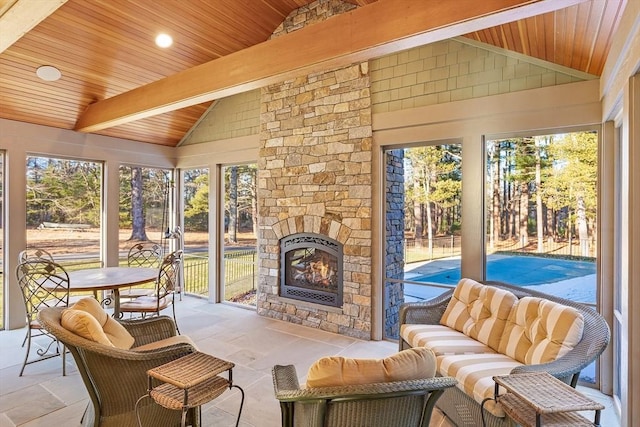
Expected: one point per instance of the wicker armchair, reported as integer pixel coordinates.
(115, 379)
(394, 404)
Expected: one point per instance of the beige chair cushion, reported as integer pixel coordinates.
(479, 311)
(333, 371)
(540, 331)
(115, 333)
(176, 339)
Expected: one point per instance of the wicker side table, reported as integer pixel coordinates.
(534, 397)
(190, 382)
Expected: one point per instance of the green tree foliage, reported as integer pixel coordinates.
(231, 197)
(572, 182)
(549, 187)
(124, 210)
(196, 212)
(153, 186)
(574, 173)
(63, 191)
(433, 186)
(245, 196)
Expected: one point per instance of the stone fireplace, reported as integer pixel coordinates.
(311, 269)
(314, 178)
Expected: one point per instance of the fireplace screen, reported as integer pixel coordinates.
(311, 269)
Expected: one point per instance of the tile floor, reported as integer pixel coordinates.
(252, 342)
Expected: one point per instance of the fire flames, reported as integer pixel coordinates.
(315, 271)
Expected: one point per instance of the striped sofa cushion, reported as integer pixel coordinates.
(479, 311)
(441, 340)
(540, 331)
(475, 373)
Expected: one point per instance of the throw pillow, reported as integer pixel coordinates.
(540, 331)
(84, 324)
(114, 331)
(336, 371)
(479, 311)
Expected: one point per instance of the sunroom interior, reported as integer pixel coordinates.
(394, 74)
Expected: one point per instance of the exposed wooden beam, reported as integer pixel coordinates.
(18, 17)
(6, 5)
(371, 31)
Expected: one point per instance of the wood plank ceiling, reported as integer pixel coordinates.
(105, 48)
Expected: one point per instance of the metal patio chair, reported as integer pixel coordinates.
(34, 253)
(165, 290)
(142, 254)
(44, 284)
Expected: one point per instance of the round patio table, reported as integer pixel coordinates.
(110, 279)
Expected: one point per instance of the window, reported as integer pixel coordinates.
(618, 310)
(196, 231)
(63, 206)
(541, 198)
(145, 211)
(423, 220)
(240, 230)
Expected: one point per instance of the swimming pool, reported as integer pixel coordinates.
(518, 270)
(574, 280)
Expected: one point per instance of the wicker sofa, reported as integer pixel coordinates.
(473, 362)
(116, 378)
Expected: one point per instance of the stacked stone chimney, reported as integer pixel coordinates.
(315, 177)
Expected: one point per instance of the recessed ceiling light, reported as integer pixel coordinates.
(164, 40)
(48, 73)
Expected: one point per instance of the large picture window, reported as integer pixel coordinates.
(541, 198)
(239, 257)
(423, 221)
(63, 208)
(196, 231)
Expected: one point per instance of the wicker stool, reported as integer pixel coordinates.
(190, 382)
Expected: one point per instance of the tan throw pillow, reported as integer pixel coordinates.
(335, 371)
(115, 332)
(479, 311)
(84, 324)
(93, 307)
(540, 331)
(118, 334)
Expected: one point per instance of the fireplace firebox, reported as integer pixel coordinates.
(311, 269)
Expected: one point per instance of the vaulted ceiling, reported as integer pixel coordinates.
(116, 82)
